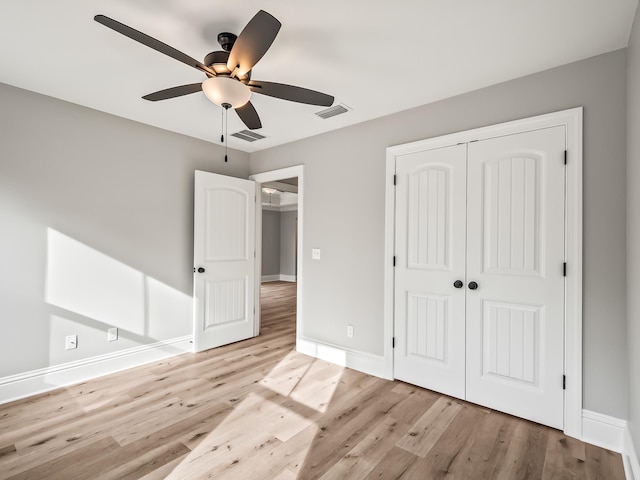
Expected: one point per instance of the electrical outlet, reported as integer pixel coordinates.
(112, 334)
(350, 331)
(71, 342)
(315, 254)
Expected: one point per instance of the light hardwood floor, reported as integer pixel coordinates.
(259, 410)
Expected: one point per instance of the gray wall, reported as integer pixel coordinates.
(288, 243)
(348, 225)
(278, 242)
(96, 220)
(633, 230)
(270, 242)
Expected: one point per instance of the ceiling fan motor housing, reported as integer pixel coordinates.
(218, 63)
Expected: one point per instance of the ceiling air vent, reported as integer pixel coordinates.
(248, 135)
(333, 111)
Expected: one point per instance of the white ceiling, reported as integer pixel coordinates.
(375, 56)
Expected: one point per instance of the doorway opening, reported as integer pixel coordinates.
(279, 239)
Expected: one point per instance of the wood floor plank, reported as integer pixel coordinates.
(395, 464)
(163, 471)
(525, 455)
(257, 409)
(424, 434)
(66, 466)
(450, 456)
(284, 475)
(565, 457)
(346, 427)
(140, 461)
(358, 462)
(8, 450)
(602, 464)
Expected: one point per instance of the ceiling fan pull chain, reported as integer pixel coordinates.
(226, 131)
(222, 126)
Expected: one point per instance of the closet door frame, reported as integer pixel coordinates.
(572, 121)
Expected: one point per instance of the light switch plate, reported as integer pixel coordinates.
(315, 254)
(71, 342)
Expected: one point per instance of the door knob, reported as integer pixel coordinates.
(473, 285)
(458, 284)
(201, 270)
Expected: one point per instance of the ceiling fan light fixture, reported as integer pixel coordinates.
(230, 85)
(221, 90)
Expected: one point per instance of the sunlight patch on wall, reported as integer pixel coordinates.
(87, 282)
(168, 310)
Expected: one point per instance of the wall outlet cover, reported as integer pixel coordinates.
(112, 334)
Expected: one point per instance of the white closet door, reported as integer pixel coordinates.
(430, 258)
(515, 254)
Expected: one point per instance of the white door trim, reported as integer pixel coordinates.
(572, 120)
(272, 176)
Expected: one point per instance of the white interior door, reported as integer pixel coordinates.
(224, 257)
(430, 258)
(515, 255)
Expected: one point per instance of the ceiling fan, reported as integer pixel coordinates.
(228, 72)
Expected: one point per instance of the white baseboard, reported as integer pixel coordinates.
(363, 362)
(278, 278)
(42, 380)
(603, 430)
(630, 457)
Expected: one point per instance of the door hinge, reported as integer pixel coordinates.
(394, 260)
(565, 157)
(395, 179)
(393, 342)
(564, 269)
(564, 382)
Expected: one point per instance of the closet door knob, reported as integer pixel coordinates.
(201, 270)
(458, 284)
(473, 285)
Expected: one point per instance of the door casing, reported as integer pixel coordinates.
(572, 120)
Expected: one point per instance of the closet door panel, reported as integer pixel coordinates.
(515, 254)
(430, 257)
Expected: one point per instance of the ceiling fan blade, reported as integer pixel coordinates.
(253, 42)
(291, 93)
(249, 116)
(152, 43)
(174, 92)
